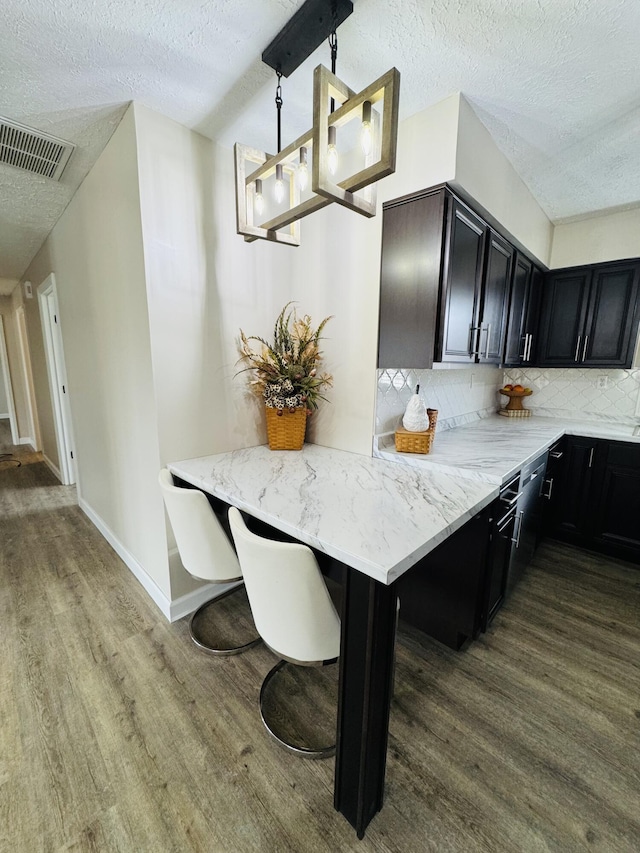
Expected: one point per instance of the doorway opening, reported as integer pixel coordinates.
(54, 352)
(7, 387)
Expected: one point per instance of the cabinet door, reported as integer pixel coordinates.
(574, 499)
(443, 594)
(612, 318)
(463, 277)
(533, 315)
(495, 298)
(412, 235)
(517, 342)
(564, 308)
(617, 513)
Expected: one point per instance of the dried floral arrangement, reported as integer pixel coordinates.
(286, 371)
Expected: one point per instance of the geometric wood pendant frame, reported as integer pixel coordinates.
(324, 190)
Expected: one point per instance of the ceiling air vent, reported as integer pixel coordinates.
(32, 150)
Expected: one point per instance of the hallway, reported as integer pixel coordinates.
(117, 734)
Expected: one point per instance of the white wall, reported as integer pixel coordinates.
(614, 236)
(95, 251)
(486, 174)
(6, 286)
(205, 283)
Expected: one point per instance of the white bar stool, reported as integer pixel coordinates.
(291, 607)
(204, 547)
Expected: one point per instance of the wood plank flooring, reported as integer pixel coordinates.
(117, 734)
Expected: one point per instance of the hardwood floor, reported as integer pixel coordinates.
(11, 455)
(117, 734)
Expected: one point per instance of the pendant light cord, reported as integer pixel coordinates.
(333, 44)
(279, 109)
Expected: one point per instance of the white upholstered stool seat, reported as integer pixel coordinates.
(205, 549)
(291, 607)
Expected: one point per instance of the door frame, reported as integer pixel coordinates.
(6, 376)
(56, 371)
(33, 437)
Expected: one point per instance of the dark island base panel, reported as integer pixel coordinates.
(367, 653)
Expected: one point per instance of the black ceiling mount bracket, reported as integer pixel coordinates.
(314, 21)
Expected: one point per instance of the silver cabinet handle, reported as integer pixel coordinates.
(525, 338)
(528, 357)
(486, 352)
(516, 539)
(556, 454)
(473, 350)
(575, 358)
(513, 500)
(549, 482)
(584, 348)
(591, 457)
(505, 521)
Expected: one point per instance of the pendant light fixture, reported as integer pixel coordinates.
(313, 156)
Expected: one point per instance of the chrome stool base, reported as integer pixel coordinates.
(303, 751)
(205, 647)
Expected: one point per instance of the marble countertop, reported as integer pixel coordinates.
(494, 449)
(372, 514)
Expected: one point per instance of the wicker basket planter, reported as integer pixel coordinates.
(417, 442)
(286, 428)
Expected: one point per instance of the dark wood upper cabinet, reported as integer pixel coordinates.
(444, 283)
(522, 324)
(453, 289)
(495, 299)
(464, 259)
(612, 318)
(589, 316)
(412, 246)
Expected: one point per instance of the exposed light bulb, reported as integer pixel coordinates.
(279, 187)
(259, 198)
(332, 152)
(366, 131)
(303, 172)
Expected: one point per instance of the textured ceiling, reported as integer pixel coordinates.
(557, 83)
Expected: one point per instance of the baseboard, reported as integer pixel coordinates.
(54, 470)
(27, 441)
(192, 600)
(149, 585)
(5, 416)
(171, 610)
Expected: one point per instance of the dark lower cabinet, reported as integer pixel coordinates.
(443, 594)
(588, 495)
(573, 489)
(595, 497)
(616, 520)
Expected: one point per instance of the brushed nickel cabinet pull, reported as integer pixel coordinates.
(575, 358)
(486, 352)
(591, 457)
(525, 338)
(584, 348)
(516, 540)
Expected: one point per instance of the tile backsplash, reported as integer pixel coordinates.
(460, 395)
(581, 392)
(463, 395)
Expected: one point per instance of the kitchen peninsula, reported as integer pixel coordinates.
(375, 518)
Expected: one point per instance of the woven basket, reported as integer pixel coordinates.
(286, 428)
(417, 442)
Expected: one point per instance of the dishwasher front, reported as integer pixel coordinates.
(528, 519)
